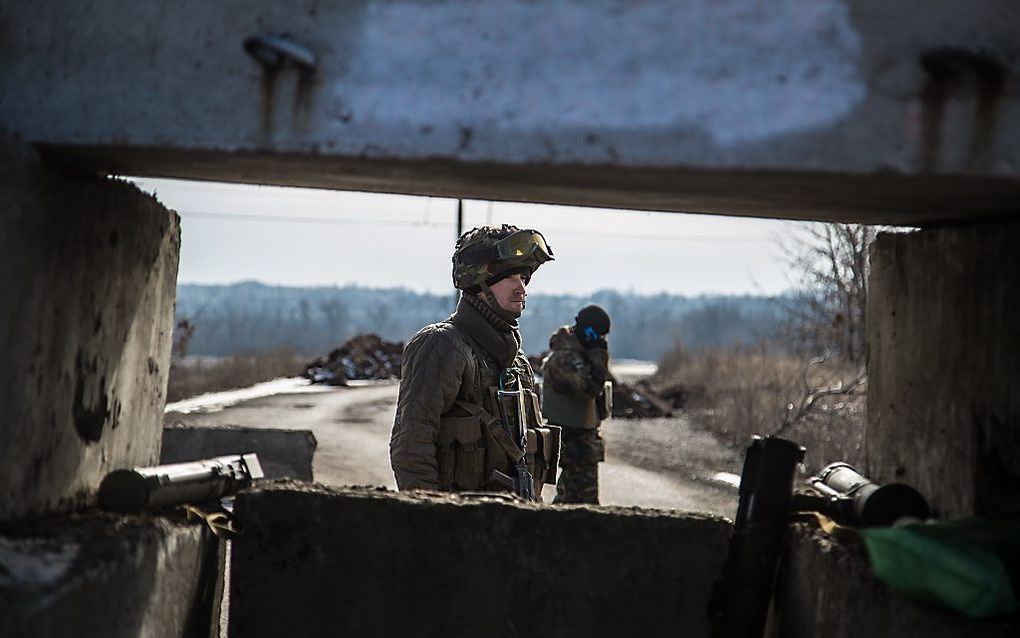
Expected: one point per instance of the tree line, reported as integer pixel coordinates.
(253, 317)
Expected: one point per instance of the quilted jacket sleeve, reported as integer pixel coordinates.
(432, 372)
(577, 374)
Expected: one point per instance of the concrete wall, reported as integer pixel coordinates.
(826, 109)
(113, 577)
(944, 367)
(367, 562)
(282, 453)
(826, 589)
(89, 270)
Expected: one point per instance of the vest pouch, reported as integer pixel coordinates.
(535, 459)
(462, 466)
(534, 408)
(550, 446)
(604, 402)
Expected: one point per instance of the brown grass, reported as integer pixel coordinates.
(193, 376)
(739, 391)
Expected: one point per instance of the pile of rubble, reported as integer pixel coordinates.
(634, 401)
(362, 357)
(639, 401)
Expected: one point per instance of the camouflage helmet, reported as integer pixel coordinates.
(486, 254)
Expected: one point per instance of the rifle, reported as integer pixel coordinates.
(131, 491)
(513, 414)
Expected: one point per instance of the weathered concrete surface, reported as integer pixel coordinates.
(824, 109)
(944, 367)
(282, 453)
(86, 309)
(361, 562)
(104, 576)
(826, 588)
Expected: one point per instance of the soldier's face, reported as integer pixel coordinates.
(510, 293)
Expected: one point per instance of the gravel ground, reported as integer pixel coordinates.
(657, 463)
(674, 447)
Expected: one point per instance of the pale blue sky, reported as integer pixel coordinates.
(303, 237)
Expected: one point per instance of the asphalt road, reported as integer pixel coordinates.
(660, 463)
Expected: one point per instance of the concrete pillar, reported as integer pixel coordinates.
(367, 562)
(89, 269)
(944, 366)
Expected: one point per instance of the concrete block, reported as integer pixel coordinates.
(824, 109)
(99, 575)
(282, 453)
(86, 311)
(368, 562)
(826, 588)
(944, 367)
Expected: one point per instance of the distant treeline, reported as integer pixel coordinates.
(253, 317)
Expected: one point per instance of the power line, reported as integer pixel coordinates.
(251, 217)
(310, 194)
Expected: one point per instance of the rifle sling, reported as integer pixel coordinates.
(495, 428)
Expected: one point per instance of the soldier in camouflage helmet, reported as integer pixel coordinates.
(574, 380)
(450, 432)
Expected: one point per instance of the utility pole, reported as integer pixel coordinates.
(460, 231)
(460, 218)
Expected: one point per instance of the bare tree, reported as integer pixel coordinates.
(183, 332)
(812, 393)
(335, 312)
(826, 313)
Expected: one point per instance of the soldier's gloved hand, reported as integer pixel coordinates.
(589, 338)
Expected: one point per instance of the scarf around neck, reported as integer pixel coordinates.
(498, 337)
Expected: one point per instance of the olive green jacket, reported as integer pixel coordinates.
(438, 369)
(572, 377)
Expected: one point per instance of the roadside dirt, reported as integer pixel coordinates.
(659, 463)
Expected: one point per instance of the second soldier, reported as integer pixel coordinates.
(574, 397)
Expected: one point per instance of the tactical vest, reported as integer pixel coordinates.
(473, 442)
(568, 411)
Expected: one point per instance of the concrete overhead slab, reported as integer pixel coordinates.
(852, 110)
(368, 562)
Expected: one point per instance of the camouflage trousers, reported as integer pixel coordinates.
(579, 464)
(578, 483)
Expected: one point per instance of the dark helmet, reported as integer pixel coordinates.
(593, 317)
(486, 254)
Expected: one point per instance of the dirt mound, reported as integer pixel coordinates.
(630, 401)
(681, 394)
(638, 401)
(362, 357)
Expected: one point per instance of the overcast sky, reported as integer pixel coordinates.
(305, 237)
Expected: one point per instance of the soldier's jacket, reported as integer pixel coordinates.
(447, 371)
(572, 377)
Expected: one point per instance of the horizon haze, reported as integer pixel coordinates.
(308, 237)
